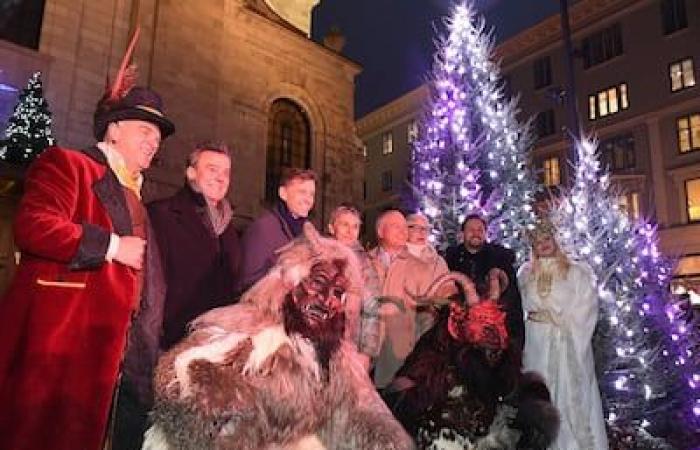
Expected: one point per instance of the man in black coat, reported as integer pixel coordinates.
(476, 258)
(199, 245)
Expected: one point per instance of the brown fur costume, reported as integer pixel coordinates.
(240, 380)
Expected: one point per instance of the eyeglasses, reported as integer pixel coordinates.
(418, 228)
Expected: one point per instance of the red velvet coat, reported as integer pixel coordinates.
(64, 319)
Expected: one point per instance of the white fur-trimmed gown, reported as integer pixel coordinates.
(562, 351)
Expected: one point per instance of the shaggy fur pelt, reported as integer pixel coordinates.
(247, 379)
(449, 395)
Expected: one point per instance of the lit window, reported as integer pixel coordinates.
(412, 131)
(387, 143)
(682, 75)
(692, 191)
(603, 103)
(688, 132)
(623, 96)
(550, 170)
(608, 101)
(629, 204)
(612, 100)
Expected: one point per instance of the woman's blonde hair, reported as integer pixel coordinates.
(563, 262)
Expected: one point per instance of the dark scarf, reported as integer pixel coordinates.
(295, 224)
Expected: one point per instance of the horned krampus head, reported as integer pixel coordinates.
(315, 307)
(306, 289)
(478, 322)
(482, 326)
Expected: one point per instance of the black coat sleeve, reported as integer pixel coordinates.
(504, 259)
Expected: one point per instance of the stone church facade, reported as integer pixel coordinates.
(244, 72)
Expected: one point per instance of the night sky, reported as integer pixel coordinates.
(394, 39)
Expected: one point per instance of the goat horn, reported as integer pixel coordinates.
(372, 309)
(312, 235)
(455, 277)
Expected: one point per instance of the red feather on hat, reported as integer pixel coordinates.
(127, 74)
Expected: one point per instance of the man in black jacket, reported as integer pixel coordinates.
(199, 245)
(476, 258)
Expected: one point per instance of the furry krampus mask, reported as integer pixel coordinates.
(315, 307)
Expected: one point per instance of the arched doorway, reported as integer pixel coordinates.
(289, 143)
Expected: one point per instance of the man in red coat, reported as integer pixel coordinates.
(67, 316)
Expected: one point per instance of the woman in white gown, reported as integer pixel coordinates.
(561, 309)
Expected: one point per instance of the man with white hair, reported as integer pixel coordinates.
(401, 276)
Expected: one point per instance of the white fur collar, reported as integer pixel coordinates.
(265, 344)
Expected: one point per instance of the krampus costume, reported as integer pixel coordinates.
(273, 372)
(462, 388)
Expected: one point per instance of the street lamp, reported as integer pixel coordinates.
(573, 124)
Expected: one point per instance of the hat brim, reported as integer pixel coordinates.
(163, 123)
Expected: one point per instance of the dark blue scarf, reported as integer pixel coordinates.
(296, 225)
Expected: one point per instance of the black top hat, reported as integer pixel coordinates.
(139, 103)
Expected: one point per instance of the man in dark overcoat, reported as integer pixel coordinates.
(199, 244)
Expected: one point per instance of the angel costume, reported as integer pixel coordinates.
(560, 349)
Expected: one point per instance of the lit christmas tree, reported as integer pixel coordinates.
(29, 129)
(472, 147)
(446, 184)
(506, 175)
(646, 356)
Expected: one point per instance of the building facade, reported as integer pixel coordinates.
(636, 71)
(387, 134)
(244, 72)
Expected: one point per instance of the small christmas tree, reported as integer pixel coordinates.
(29, 129)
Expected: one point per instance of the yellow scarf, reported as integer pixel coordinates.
(116, 162)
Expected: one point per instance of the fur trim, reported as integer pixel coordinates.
(307, 356)
(253, 385)
(294, 263)
(239, 318)
(537, 416)
(154, 439)
(294, 275)
(265, 344)
(309, 442)
(214, 351)
(501, 436)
